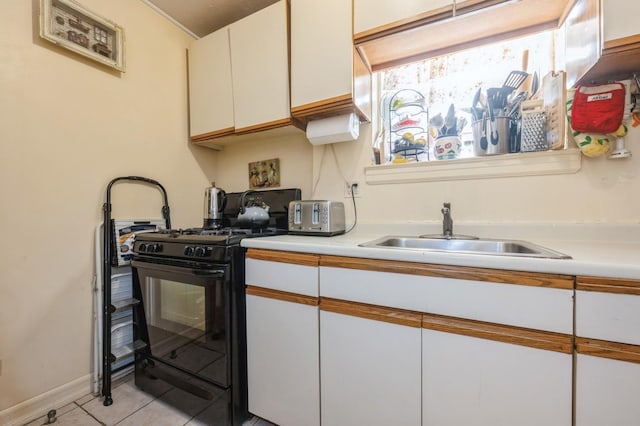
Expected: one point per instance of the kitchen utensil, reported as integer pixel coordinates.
(515, 79)
(555, 100)
(252, 216)
(215, 200)
(535, 84)
(476, 109)
(493, 95)
(534, 127)
(501, 130)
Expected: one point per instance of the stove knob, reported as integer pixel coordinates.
(200, 252)
(188, 251)
(154, 248)
(142, 247)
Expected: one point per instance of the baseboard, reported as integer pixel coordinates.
(39, 405)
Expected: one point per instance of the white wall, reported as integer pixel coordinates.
(68, 125)
(295, 154)
(603, 191)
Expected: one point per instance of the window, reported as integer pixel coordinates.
(446, 86)
(454, 79)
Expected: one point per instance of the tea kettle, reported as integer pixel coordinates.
(215, 200)
(252, 216)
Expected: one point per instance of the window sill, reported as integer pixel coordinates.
(498, 166)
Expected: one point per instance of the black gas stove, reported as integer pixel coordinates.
(191, 315)
(196, 244)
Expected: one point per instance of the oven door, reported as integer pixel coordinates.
(183, 319)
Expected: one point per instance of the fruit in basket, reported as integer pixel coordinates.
(421, 141)
(408, 136)
(405, 122)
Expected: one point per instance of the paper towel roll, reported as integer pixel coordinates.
(341, 128)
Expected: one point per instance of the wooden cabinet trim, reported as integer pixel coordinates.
(404, 24)
(336, 105)
(545, 340)
(605, 349)
(265, 126)
(372, 312)
(282, 295)
(203, 137)
(630, 43)
(454, 272)
(438, 34)
(283, 257)
(608, 285)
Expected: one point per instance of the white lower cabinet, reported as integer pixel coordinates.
(607, 392)
(282, 361)
(370, 370)
(608, 352)
(474, 381)
(283, 337)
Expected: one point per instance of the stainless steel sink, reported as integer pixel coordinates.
(479, 246)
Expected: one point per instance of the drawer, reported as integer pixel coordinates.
(522, 302)
(608, 316)
(289, 272)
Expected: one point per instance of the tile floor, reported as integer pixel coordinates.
(131, 407)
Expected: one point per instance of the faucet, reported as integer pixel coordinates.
(447, 221)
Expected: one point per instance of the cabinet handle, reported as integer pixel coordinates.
(546, 340)
(377, 313)
(605, 349)
(282, 295)
(283, 257)
(608, 285)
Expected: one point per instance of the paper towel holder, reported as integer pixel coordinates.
(341, 128)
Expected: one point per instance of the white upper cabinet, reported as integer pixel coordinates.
(210, 92)
(239, 78)
(328, 77)
(372, 15)
(620, 19)
(602, 41)
(260, 64)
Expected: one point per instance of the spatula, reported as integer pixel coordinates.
(515, 79)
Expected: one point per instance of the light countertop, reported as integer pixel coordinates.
(604, 250)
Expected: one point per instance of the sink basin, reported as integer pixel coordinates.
(479, 246)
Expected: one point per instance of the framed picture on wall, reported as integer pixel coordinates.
(70, 25)
(264, 174)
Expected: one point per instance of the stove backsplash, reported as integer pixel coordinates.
(277, 200)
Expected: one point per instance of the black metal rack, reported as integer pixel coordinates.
(107, 307)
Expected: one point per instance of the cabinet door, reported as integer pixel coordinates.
(210, 93)
(376, 14)
(321, 59)
(620, 19)
(370, 369)
(608, 351)
(475, 381)
(260, 64)
(607, 391)
(282, 358)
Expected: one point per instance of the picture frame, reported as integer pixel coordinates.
(264, 174)
(72, 26)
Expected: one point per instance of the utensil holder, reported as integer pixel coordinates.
(491, 137)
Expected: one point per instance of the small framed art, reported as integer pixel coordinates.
(70, 25)
(264, 174)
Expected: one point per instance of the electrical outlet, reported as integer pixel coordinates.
(347, 189)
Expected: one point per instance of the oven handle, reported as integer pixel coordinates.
(215, 272)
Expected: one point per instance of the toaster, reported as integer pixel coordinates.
(316, 217)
